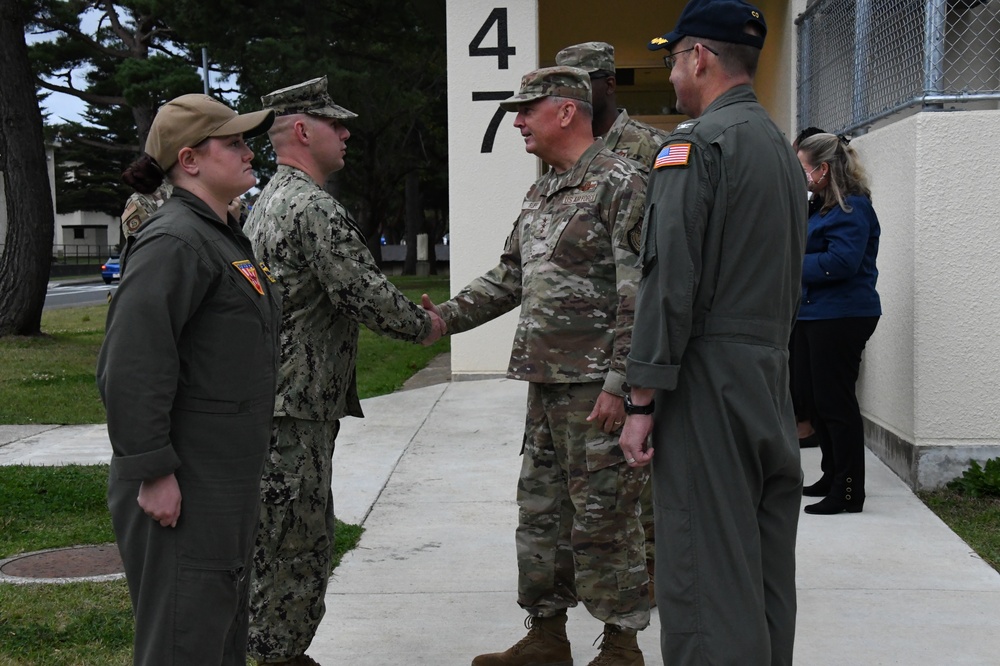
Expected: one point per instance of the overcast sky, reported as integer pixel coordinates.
(67, 107)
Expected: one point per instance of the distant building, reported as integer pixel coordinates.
(82, 233)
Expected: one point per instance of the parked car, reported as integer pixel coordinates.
(111, 269)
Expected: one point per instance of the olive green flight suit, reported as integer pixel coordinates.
(187, 374)
(721, 260)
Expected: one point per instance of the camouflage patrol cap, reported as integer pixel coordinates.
(570, 82)
(308, 97)
(589, 56)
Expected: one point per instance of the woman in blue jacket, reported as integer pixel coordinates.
(839, 311)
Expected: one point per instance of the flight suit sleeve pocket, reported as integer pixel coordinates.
(648, 248)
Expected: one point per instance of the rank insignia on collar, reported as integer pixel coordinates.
(267, 272)
(676, 154)
(250, 273)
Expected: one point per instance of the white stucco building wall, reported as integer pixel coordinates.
(486, 188)
(930, 385)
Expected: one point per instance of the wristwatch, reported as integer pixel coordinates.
(638, 409)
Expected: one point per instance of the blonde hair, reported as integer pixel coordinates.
(847, 176)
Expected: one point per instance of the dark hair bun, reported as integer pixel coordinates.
(144, 175)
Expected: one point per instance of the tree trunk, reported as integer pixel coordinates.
(27, 253)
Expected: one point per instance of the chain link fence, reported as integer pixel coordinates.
(861, 61)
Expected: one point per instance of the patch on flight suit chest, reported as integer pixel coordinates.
(247, 270)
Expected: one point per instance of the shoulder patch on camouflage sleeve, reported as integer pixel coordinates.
(635, 237)
(132, 217)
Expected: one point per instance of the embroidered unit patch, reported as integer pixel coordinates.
(250, 273)
(673, 155)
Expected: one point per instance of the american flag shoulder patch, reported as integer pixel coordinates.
(676, 154)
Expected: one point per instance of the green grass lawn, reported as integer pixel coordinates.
(975, 519)
(50, 379)
(77, 623)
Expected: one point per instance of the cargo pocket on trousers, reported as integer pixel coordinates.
(678, 575)
(278, 490)
(208, 605)
(603, 451)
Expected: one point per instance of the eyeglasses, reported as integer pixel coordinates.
(671, 60)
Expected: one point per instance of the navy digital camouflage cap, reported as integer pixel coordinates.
(309, 97)
(569, 82)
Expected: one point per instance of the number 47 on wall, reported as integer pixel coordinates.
(502, 51)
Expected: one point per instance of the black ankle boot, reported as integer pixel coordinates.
(819, 489)
(830, 505)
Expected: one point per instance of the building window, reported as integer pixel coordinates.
(79, 233)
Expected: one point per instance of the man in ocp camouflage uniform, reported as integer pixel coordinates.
(623, 136)
(330, 284)
(571, 263)
(638, 142)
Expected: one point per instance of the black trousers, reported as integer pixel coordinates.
(827, 362)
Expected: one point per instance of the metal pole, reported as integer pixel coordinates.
(204, 67)
(805, 114)
(934, 46)
(862, 51)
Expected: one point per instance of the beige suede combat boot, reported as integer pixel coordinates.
(619, 648)
(545, 645)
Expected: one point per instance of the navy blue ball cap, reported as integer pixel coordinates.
(721, 20)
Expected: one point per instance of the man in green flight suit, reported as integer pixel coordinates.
(721, 261)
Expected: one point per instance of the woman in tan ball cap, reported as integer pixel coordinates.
(187, 374)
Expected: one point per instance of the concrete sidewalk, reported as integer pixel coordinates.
(432, 472)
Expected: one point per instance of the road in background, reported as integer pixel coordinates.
(66, 295)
